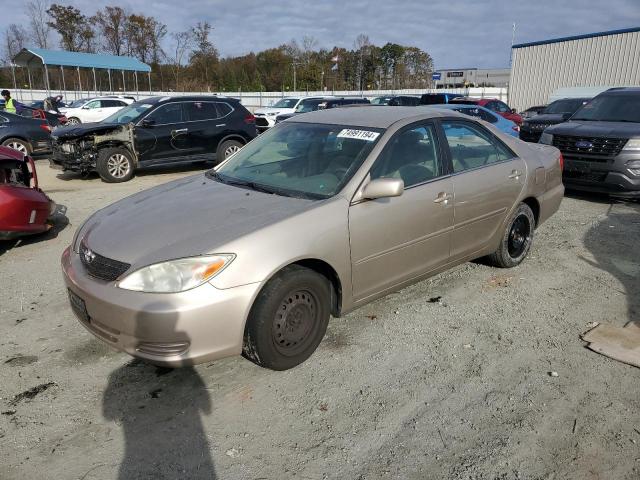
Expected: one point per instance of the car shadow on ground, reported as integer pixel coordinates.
(194, 167)
(602, 198)
(159, 411)
(59, 221)
(613, 244)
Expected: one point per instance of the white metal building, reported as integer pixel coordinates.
(606, 58)
(472, 77)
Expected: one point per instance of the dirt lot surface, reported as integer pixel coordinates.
(448, 379)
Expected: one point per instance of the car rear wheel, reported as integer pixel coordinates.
(73, 121)
(18, 144)
(517, 239)
(226, 149)
(288, 319)
(115, 165)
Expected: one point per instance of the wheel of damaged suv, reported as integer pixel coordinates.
(73, 121)
(288, 319)
(18, 144)
(516, 240)
(115, 165)
(226, 149)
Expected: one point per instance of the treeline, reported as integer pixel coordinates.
(189, 61)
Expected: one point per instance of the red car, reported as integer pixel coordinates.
(494, 105)
(24, 208)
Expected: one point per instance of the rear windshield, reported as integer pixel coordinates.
(286, 103)
(611, 108)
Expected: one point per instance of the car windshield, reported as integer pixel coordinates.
(128, 114)
(381, 100)
(309, 105)
(285, 103)
(303, 160)
(568, 105)
(611, 108)
(79, 103)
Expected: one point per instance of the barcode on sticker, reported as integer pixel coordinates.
(359, 134)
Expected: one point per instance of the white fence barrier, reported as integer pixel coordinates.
(255, 100)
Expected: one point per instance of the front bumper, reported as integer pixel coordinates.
(171, 330)
(600, 177)
(78, 161)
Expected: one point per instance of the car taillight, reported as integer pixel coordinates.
(45, 127)
(516, 128)
(561, 161)
(249, 119)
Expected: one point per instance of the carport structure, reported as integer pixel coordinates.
(36, 58)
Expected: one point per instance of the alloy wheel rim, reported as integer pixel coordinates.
(72, 121)
(294, 322)
(118, 165)
(519, 236)
(18, 146)
(230, 150)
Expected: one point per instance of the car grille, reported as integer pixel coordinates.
(101, 267)
(261, 122)
(609, 147)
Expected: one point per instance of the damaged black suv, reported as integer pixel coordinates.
(155, 131)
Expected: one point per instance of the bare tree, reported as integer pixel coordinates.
(112, 22)
(183, 42)
(39, 28)
(362, 46)
(15, 38)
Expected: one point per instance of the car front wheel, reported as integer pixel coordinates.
(73, 121)
(516, 240)
(288, 319)
(115, 165)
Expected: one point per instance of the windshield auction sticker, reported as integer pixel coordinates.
(359, 134)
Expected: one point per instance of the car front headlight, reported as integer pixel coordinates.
(176, 275)
(632, 145)
(546, 138)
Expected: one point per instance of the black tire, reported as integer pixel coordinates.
(226, 149)
(288, 319)
(18, 144)
(115, 165)
(516, 240)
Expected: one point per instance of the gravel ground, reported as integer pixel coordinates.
(450, 378)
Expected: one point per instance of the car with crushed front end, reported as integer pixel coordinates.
(155, 131)
(318, 216)
(601, 144)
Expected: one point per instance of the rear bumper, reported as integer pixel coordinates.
(172, 330)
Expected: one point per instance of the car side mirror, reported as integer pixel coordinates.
(513, 110)
(147, 123)
(383, 188)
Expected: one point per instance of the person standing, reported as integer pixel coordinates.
(9, 105)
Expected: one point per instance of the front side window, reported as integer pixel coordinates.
(411, 155)
(300, 159)
(169, 113)
(502, 107)
(129, 114)
(94, 104)
(472, 147)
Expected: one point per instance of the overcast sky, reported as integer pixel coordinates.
(463, 33)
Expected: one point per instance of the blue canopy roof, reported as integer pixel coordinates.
(28, 57)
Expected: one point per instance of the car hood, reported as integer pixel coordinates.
(545, 118)
(596, 129)
(76, 131)
(264, 111)
(183, 218)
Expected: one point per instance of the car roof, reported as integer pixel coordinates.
(186, 98)
(622, 91)
(370, 117)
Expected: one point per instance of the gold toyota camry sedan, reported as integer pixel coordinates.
(320, 215)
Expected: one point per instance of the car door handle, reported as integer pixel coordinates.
(178, 132)
(222, 125)
(443, 198)
(515, 174)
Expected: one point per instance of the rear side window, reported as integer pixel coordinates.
(168, 113)
(112, 103)
(480, 113)
(197, 111)
(224, 109)
(472, 147)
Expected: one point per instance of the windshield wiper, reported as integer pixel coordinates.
(241, 183)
